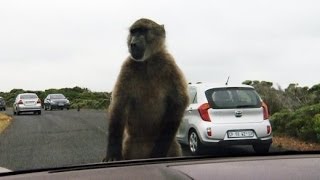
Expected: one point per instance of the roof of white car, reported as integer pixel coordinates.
(217, 85)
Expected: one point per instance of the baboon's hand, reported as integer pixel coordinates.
(108, 159)
(112, 156)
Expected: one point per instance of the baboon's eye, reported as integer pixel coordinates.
(138, 31)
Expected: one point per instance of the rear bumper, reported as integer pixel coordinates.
(267, 140)
(219, 133)
(23, 108)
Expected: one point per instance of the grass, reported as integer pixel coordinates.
(290, 143)
(4, 121)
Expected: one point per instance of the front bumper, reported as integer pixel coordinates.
(60, 106)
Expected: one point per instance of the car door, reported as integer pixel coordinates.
(184, 127)
(46, 101)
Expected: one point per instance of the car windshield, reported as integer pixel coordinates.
(145, 81)
(57, 96)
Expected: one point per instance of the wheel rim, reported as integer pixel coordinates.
(193, 142)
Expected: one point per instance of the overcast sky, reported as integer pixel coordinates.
(65, 43)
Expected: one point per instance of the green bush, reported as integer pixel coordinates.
(316, 127)
(303, 123)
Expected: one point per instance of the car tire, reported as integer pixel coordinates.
(194, 143)
(50, 107)
(45, 107)
(261, 148)
(18, 113)
(39, 112)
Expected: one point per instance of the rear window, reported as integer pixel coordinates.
(57, 96)
(28, 96)
(233, 97)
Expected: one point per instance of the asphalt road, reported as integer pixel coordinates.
(53, 139)
(63, 138)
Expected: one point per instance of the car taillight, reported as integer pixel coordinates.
(265, 111)
(20, 102)
(39, 101)
(269, 129)
(203, 111)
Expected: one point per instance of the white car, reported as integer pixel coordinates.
(27, 102)
(225, 115)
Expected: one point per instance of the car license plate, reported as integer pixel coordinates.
(240, 134)
(29, 103)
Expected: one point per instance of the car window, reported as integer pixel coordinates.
(192, 95)
(233, 98)
(28, 96)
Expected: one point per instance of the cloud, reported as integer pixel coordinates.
(69, 43)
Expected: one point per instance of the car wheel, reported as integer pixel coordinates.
(50, 107)
(18, 113)
(261, 148)
(39, 112)
(194, 143)
(4, 109)
(45, 107)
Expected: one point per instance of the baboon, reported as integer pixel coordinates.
(148, 100)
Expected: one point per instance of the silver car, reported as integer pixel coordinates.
(56, 101)
(225, 115)
(27, 102)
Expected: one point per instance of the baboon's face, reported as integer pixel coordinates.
(146, 38)
(137, 43)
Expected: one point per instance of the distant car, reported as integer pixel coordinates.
(225, 115)
(56, 101)
(2, 104)
(27, 102)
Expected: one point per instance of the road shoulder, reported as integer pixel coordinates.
(5, 120)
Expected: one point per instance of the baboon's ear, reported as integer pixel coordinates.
(162, 28)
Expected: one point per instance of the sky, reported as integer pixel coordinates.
(65, 43)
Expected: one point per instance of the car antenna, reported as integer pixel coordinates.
(227, 81)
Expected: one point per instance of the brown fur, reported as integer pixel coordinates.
(148, 102)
